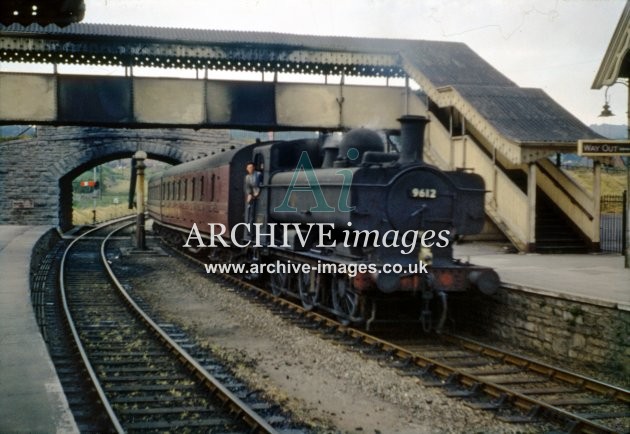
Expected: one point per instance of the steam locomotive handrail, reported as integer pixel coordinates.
(389, 183)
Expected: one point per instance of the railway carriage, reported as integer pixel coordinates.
(367, 204)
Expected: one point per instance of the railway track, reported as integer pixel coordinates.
(517, 389)
(143, 377)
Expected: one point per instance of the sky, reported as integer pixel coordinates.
(555, 45)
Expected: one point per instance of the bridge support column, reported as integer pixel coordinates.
(531, 207)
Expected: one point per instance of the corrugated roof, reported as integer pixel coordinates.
(171, 34)
(525, 114)
(452, 64)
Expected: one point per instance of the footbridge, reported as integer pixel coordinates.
(480, 120)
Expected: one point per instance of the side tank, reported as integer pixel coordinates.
(369, 190)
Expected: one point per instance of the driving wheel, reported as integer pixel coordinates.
(278, 283)
(345, 300)
(308, 287)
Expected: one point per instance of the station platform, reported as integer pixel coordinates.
(599, 279)
(31, 396)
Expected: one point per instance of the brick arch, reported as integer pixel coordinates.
(71, 167)
(117, 149)
(39, 171)
(86, 145)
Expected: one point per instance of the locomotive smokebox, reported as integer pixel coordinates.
(411, 138)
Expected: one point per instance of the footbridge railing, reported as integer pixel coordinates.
(506, 204)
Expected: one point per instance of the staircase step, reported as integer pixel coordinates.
(554, 233)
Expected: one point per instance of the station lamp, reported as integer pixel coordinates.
(606, 113)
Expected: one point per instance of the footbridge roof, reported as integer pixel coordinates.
(450, 73)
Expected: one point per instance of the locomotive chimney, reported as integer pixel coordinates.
(411, 138)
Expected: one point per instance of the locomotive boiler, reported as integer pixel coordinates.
(349, 228)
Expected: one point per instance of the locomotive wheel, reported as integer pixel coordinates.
(308, 287)
(243, 259)
(278, 283)
(345, 300)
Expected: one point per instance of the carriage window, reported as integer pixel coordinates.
(185, 188)
(201, 188)
(192, 194)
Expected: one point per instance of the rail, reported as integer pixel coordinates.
(477, 384)
(236, 406)
(75, 334)
(256, 422)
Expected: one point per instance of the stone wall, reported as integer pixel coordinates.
(35, 174)
(578, 332)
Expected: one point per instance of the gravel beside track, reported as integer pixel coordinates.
(332, 389)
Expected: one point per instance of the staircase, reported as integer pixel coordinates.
(554, 232)
(562, 205)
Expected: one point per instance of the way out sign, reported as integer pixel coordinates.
(604, 148)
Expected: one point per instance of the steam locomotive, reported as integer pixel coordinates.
(344, 226)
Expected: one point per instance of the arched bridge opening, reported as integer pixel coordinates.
(69, 198)
(36, 174)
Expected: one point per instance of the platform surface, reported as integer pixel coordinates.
(31, 396)
(600, 278)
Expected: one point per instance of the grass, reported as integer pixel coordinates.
(85, 215)
(105, 205)
(109, 204)
(613, 183)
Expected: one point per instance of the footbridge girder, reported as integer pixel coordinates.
(481, 120)
(199, 103)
